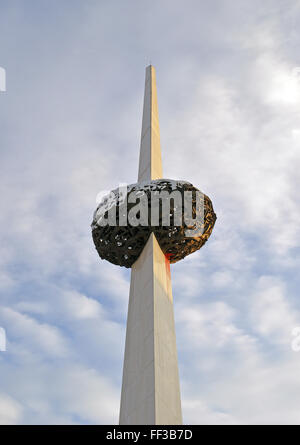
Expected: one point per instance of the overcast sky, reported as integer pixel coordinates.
(70, 123)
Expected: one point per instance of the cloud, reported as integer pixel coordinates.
(71, 118)
(45, 338)
(10, 410)
(81, 307)
(58, 393)
(271, 312)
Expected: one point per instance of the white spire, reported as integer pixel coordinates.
(150, 165)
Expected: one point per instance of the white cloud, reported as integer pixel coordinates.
(229, 114)
(10, 410)
(79, 306)
(58, 393)
(271, 312)
(95, 399)
(28, 332)
(197, 412)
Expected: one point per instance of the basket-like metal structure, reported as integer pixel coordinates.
(122, 244)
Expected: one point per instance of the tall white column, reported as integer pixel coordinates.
(150, 165)
(150, 388)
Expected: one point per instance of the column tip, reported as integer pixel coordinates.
(149, 66)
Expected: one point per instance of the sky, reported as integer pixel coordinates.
(70, 121)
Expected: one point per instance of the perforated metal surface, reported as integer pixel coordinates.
(122, 245)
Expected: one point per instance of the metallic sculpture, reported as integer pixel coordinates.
(123, 244)
(147, 226)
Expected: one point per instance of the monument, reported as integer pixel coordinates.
(171, 220)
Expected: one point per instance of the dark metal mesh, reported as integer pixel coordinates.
(122, 245)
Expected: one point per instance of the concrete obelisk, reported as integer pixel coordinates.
(150, 387)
